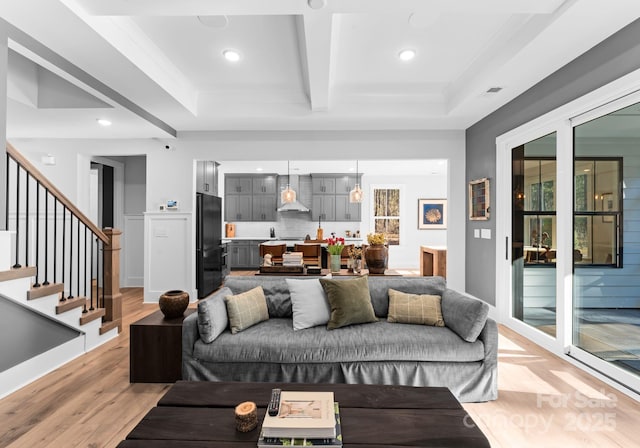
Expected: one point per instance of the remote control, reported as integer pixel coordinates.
(274, 403)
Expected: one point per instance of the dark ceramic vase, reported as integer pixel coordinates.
(173, 303)
(376, 258)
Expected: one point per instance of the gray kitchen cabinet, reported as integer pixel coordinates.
(323, 207)
(323, 184)
(238, 184)
(250, 197)
(207, 177)
(345, 210)
(244, 254)
(331, 198)
(238, 207)
(264, 208)
(345, 183)
(264, 185)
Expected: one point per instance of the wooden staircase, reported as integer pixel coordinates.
(49, 252)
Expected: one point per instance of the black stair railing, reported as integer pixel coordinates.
(56, 247)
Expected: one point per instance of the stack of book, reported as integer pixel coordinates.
(292, 259)
(303, 419)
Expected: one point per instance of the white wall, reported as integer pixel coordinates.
(412, 188)
(170, 175)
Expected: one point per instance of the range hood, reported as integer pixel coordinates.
(295, 206)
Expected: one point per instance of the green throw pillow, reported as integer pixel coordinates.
(422, 309)
(349, 300)
(246, 309)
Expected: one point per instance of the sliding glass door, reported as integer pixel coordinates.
(606, 295)
(570, 275)
(534, 232)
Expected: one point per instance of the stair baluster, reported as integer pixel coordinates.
(70, 256)
(55, 237)
(17, 264)
(91, 276)
(64, 237)
(84, 309)
(85, 265)
(6, 194)
(46, 237)
(26, 220)
(37, 283)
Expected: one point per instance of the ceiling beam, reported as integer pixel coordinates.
(315, 39)
(126, 37)
(294, 7)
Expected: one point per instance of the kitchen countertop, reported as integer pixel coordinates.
(245, 238)
(324, 244)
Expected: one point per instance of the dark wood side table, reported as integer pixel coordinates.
(155, 349)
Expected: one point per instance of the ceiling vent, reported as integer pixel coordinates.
(494, 89)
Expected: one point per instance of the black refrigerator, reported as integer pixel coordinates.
(210, 252)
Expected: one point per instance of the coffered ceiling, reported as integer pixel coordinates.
(156, 67)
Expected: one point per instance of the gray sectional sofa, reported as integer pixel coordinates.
(462, 355)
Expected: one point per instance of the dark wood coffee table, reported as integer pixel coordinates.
(201, 414)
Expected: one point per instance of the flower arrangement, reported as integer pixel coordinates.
(355, 253)
(375, 238)
(335, 245)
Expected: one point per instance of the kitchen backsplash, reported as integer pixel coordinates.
(294, 225)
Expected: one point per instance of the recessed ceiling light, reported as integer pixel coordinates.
(407, 55)
(494, 89)
(103, 122)
(258, 169)
(231, 55)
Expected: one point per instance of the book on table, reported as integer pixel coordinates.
(308, 415)
(292, 258)
(327, 442)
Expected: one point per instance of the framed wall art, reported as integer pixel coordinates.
(479, 202)
(432, 214)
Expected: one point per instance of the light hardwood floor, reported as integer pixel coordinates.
(544, 401)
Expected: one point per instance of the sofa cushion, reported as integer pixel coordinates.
(212, 315)
(246, 309)
(275, 290)
(309, 303)
(421, 309)
(275, 341)
(350, 302)
(464, 314)
(379, 289)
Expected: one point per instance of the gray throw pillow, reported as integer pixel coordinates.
(349, 300)
(464, 314)
(212, 315)
(421, 309)
(246, 309)
(309, 302)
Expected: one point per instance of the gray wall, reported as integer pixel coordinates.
(606, 62)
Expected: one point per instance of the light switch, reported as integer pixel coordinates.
(486, 234)
(476, 233)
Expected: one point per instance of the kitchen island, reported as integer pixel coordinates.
(290, 243)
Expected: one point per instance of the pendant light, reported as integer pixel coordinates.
(356, 195)
(288, 195)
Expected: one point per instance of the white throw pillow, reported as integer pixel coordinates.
(309, 302)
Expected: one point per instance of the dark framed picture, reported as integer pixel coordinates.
(432, 214)
(479, 200)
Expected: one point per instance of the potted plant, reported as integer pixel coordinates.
(334, 247)
(376, 253)
(355, 255)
